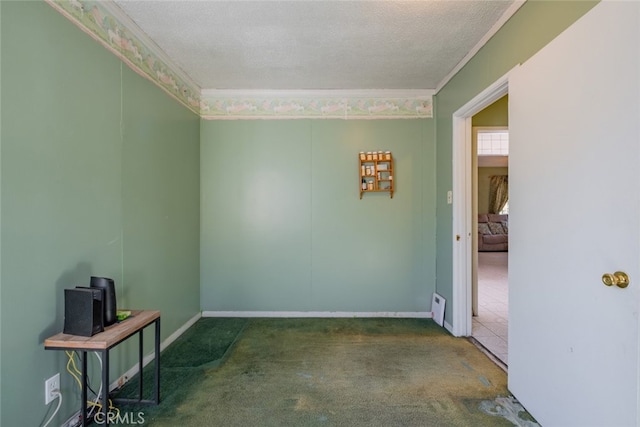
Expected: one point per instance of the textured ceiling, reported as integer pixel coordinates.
(316, 45)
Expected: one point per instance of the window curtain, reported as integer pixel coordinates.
(498, 192)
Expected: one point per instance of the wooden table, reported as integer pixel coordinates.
(103, 342)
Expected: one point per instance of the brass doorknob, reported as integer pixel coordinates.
(619, 278)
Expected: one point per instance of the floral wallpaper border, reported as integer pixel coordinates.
(104, 21)
(317, 104)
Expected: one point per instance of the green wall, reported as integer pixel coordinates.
(161, 203)
(284, 229)
(535, 24)
(99, 176)
(496, 114)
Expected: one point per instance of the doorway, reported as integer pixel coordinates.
(462, 209)
(490, 213)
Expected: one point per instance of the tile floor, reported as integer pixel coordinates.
(491, 325)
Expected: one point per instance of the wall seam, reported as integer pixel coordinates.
(422, 207)
(122, 160)
(310, 214)
(1, 299)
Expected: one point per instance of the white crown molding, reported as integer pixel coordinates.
(318, 93)
(160, 56)
(106, 23)
(515, 6)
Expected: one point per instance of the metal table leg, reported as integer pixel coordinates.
(140, 355)
(105, 386)
(157, 363)
(83, 393)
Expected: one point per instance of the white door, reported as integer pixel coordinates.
(574, 119)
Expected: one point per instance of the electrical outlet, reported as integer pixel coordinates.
(51, 387)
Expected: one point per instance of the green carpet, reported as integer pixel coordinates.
(183, 365)
(326, 372)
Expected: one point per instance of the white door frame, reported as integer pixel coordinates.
(462, 203)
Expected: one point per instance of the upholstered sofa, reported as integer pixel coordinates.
(493, 232)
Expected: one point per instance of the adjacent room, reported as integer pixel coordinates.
(490, 288)
(277, 179)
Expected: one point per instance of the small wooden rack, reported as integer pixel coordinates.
(376, 172)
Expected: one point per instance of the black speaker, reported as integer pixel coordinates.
(109, 288)
(83, 311)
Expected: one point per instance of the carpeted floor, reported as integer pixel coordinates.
(327, 372)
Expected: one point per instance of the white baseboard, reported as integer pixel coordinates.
(294, 314)
(149, 357)
(181, 330)
(74, 420)
(448, 327)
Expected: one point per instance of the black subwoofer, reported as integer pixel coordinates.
(108, 286)
(83, 311)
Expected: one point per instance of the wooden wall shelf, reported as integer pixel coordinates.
(376, 172)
